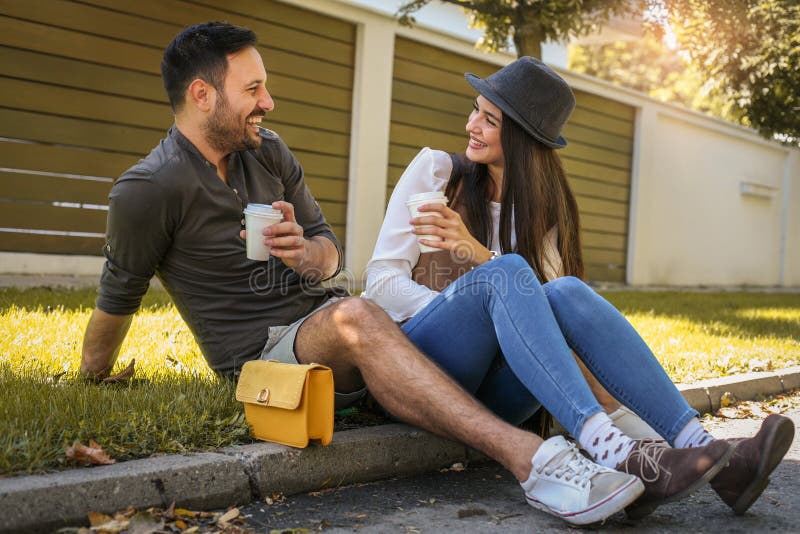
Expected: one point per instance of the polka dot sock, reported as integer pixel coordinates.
(605, 443)
(693, 435)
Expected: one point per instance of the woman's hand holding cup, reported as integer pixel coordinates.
(448, 232)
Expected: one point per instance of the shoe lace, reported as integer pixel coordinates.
(571, 465)
(648, 453)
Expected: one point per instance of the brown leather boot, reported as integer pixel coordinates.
(747, 475)
(671, 474)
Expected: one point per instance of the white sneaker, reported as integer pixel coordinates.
(568, 485)
(634, 427)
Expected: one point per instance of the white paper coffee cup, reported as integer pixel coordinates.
(421, 199)
(256, 218)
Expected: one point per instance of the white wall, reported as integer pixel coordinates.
(791, 264)
(693, 225)
(50, 264)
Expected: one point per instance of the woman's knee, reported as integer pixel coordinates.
(506, 274)
(510, 262)
(567, 288)
(512, 266)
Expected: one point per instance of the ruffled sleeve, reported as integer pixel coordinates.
(389, 282)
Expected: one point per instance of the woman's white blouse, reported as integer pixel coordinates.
(389, 282)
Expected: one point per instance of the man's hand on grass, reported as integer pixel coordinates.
(123, 376)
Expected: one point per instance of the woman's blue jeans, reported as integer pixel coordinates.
(506, 339)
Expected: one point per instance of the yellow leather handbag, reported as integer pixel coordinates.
(287, 403)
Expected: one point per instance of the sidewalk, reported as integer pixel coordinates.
(242, 474)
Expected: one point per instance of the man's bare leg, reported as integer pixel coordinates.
(361, 344)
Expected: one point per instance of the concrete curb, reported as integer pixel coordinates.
(704, 396)
(237, 475)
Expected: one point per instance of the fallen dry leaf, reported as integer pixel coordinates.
(147, 522)
(727, 399)
(127, 513)
(276, 497)
(123, 376)
(184, 512)
(170, 512)
(458, 466)
(756, 364)
(111, 527)
(93, 454)
(230, 515)
(96, 518)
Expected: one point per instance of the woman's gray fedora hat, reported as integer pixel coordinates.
(532, 95)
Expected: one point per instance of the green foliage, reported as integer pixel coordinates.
(651, 67)
(750, 51)
(741, 61)
(530, 22)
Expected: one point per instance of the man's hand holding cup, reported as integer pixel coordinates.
(279, 233)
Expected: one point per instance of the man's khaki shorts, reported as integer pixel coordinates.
(280, 347)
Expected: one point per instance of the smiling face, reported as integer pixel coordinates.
(483, 127)
(234, 123)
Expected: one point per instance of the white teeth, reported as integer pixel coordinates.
(478, 142)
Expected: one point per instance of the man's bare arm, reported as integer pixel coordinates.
(321, 259)
(102, 341)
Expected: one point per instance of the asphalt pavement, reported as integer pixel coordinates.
(250, 473)
(484, 497)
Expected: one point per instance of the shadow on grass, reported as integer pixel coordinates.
(718, 314)
(49, 298)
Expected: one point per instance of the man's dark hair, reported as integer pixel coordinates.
(200, 51)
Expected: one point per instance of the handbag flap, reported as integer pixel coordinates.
(271, 383)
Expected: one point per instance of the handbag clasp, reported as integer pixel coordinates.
(263, 396)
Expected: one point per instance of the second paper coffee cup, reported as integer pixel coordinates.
(421, 199)
(256, 218)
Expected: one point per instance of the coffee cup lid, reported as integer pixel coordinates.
(431, 195)
(262, 209)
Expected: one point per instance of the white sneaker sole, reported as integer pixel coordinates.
(601, 510)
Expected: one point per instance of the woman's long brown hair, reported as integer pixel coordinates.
(535, 192)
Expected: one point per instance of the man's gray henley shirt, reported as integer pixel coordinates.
(172, 216)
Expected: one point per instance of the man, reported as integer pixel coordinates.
(177, 214)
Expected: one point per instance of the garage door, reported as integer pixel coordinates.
(81, 100)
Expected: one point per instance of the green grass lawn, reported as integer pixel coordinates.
(175, 404)
(707, 335)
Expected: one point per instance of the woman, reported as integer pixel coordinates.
(483, 308)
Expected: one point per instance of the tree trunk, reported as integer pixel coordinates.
(528, 40)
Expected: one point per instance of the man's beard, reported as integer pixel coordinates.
(226, 133)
